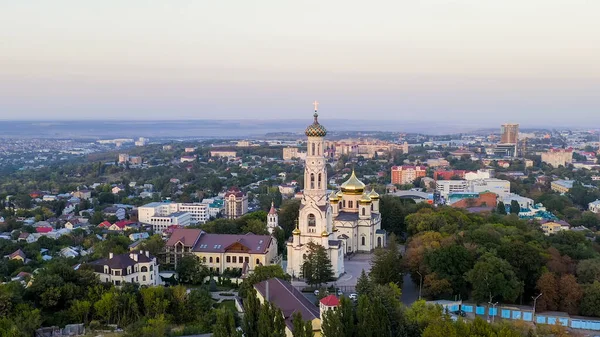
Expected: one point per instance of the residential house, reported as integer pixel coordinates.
(105, 224)
(72, 224)
(117, 189)
(134, 267)
(553, 227)
(562, 186)
(138, 236)
(68, 252)
(17, 255)
(120, 226)
(594, 206)
(82, 194)
(29, 238)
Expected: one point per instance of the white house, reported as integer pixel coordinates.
(594, 206)
(134, 267)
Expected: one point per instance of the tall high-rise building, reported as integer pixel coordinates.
(510, 134)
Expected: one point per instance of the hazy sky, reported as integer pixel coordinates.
(483, 61)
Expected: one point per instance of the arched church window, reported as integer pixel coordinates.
(313, 149)
(363, 211)
(312, 180)
(319, 149)
(344, 203)
(363, 240)
(350, 204)
(312, 221)
(319, 180)
(379, 242)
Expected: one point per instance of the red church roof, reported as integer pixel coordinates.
(272, 210)
(330, 301)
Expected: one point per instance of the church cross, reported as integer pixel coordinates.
(316, 104)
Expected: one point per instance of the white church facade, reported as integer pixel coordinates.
(344, 222)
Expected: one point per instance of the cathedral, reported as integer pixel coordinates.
(344, 221)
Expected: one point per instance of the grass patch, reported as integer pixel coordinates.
(228, 304)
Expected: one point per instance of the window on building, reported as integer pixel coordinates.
(144, 269)
(151, 268)
(204, 259)
(313, 149)
(210, 259)
(363, 240)
(218, 260)
(312, 180)
(241, 259)
(228, 259)
(350, 205)
(247, 259)
(344, 203)
(312, 220)
(117, 273)
(117, 283)
(363, 211)
(319, 180)
(235, 259)
(257, 261)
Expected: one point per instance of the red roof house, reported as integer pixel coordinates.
(330, 301)
(43, 229)
(105, 224)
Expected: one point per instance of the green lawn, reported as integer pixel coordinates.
(229, 304)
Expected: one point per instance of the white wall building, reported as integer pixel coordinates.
(524, 202)
(198, 211)
(594, 206)
(498, 186)
(135, 267)
(445, 187)
(160, 223)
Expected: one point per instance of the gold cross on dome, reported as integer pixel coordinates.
(316, 104)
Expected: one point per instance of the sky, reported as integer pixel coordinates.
(474, 61)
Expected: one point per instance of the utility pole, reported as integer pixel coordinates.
(494, 309)
(534, 302)
(420, 283)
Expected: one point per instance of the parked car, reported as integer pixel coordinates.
(340, 293)
(353, 296)
(317, 292)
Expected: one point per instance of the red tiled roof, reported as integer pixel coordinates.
(105, 224)
(121, 224)
(272, 210)
(43, 229)
(330, 301)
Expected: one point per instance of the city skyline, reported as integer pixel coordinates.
(485, 63)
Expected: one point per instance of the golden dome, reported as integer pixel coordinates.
(296, 231)
(339, 194)
(373, 195)
(365, 199)
(333, 196)
(353, 185)
(324, 234)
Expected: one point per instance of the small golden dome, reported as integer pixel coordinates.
(296, 231)
(324, 234)
(340, 194)
(365, 199)
(353, 185)
(333, 196)
(373, 195)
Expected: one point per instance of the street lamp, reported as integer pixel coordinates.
(420, 283)
(534, 302)
(494, 309)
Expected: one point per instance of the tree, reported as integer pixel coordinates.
(494, 278)
(590, 303)
(191, 270)
(252, 309)
(332, 324)
(298, 324)
(364, 284)
(449, 263)
(154, 244)
(588, 270)
(548, 286)
(386, 266)
(225, 324)
(80, 310)
(317, 268)
(515, 208)
(501, 208)
(569, 293)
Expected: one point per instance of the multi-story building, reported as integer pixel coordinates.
(558, 157)
(223, 153)
(498, 186)
(406, 174)
(135, 267)
(553, 227)
(123, 158)
(445, 187)
(449, 174)
(524, 202)
(220, 252)
(135, 160)
(366, 148)
(162, 222)
(290, 153)
(236, 203)
(198, 211)
(510, 134)
(562, 186)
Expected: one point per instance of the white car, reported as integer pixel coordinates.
(353, 296)
(317, 292)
